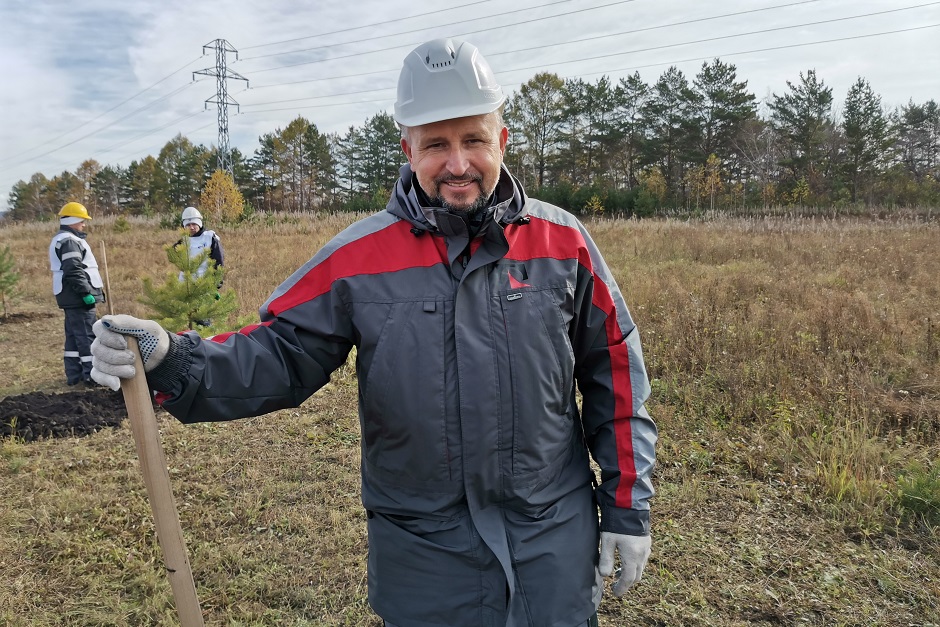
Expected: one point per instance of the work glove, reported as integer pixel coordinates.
(112, 361)
(634, 551)
(218, 296)
(88, 299)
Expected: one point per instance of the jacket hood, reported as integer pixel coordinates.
(406, 201)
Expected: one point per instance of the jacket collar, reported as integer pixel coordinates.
(410, 203)
(69, 229)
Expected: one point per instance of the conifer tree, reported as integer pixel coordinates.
(8, 277)
(186, 300)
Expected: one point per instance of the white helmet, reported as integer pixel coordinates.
(191, 214)
(445, 79)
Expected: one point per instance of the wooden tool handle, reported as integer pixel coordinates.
(157, 479)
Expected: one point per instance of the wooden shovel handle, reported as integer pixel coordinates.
(139, 403)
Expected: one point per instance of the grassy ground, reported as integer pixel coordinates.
(795, 371)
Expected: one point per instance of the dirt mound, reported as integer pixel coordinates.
(39, 415)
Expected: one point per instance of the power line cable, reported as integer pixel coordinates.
(711, 56)
(352, 28)
(721, 37)
(416, 30)
(671, 24)
(741, 52)
(109, 125)
(664, 46)
(150, 132)
(411, 45)
(100, 115)
(150, 149)
(146, 133)
(140, 136)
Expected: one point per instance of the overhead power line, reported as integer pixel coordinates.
(100, 115)
(155, 146)
(622, 53)
(411, 45)
(833, 20)
(718, 38)
(382, 23)
(673, 62)
(106, 126)
(424, 28)
(570, 41)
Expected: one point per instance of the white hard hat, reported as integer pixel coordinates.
(191, 214)
(445, 79)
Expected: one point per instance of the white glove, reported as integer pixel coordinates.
(634, 551)
(112, 361)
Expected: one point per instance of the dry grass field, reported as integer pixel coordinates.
(796, 384)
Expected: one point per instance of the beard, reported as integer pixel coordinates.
(472, 208)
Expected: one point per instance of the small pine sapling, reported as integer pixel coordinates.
(187, 301)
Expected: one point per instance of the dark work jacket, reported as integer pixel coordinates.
(482, 507)
(74, 270)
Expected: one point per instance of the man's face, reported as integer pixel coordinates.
(457, 161)
(80, 226)
(193, 228)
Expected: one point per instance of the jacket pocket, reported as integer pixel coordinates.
(541, 360)
(402, 405)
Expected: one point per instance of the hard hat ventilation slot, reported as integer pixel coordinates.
(439, 64)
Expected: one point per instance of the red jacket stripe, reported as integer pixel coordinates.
(389, 250)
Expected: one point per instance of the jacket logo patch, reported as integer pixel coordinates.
(514, 296)
(515, 283)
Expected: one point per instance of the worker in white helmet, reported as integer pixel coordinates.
(197, 241)
(201, 239)
(478, 314)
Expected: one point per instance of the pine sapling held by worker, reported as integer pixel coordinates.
(190, 295)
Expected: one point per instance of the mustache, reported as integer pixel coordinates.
(466, 178)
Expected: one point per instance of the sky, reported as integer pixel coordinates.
(114, 81)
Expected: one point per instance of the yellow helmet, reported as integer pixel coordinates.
(74, 210)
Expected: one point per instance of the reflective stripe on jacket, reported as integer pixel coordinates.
(481, 502)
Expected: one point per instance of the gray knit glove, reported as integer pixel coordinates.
(112, 361)
(633, 550)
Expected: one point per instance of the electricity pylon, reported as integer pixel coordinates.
(222, 99)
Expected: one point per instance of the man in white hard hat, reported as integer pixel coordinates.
(477, 314)
(77, 286)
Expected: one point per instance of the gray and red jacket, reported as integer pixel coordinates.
(482, 508)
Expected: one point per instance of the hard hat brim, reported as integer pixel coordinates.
(452, 113)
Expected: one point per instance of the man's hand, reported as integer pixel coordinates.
(634, 551)
(88, 299)
(111, 359)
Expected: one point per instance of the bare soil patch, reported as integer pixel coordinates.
(38, 415)
(24, 317)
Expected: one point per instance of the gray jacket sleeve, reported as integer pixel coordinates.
(276, 364)
(614, 385)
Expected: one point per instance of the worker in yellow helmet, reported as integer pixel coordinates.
(77, 286)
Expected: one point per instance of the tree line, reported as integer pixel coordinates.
(624, 148)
